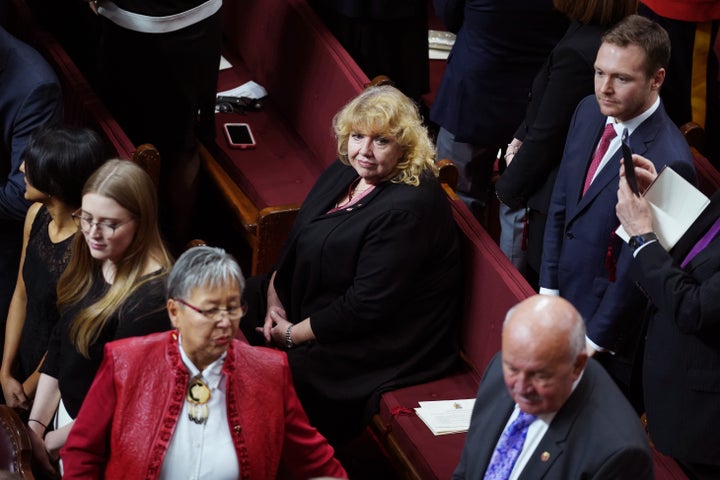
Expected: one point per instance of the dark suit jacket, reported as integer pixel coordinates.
(381, 283)
(29, 97)
(595, 435)
(681, 369)
(579, 229)
(482, 95)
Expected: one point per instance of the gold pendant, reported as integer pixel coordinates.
(197, 396)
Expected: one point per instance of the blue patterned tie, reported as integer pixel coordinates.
(509, 447)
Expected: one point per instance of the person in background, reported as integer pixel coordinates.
(113, 287)
(691, 87)
(211, 404)
(533, 156)
(499, 48)
(366, 29)
(583, 260)
(158, 72)
(367, 291)
(30, 97)
(545, 410)
(681, 356)
(57, 162)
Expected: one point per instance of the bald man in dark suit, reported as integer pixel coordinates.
(583, 426)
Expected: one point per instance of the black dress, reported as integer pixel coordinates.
(44, 263)
(142, 313)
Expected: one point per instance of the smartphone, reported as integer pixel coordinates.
(239, 135)
(628, 162)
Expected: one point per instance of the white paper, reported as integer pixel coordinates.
(446, 416)
(675, 204)
(224, 64)
(248, 89)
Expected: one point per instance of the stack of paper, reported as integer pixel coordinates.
(446, 416)
(440, 43)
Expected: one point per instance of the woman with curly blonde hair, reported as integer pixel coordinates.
(366, 292)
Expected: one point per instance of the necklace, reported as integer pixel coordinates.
(353, 191)
(197, 396)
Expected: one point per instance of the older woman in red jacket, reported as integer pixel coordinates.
(196, 400)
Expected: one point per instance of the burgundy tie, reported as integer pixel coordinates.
(607, 136)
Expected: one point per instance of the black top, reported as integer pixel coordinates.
(381, 282)
(142, 313)
(44, 263)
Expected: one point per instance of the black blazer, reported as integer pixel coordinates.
(564, 80)
(381, 283)
(681, 367)
(595, 435)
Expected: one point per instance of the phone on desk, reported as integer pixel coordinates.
(628, 162)
(239, 135)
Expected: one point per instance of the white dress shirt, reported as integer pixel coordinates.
(206, 451)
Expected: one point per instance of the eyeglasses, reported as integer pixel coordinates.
(85, 223)
(215, 314)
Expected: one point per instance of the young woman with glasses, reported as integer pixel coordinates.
(112, 288)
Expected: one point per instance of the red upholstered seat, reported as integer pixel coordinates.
(428, 456)
(283, 46)
(492, 286)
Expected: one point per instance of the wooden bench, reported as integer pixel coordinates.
(708, 176)
(15, 446)
(492, 286)
(283, 46)
(81, 104)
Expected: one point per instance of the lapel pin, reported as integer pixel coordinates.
(545, 456)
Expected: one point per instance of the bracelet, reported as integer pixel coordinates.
(38, 422)
(288, 338)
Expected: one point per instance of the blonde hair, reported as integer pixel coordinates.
(386, 111)
(131, 187)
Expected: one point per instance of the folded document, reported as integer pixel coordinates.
(446, 416)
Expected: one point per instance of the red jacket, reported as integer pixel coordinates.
(136, 398)
(687, 10)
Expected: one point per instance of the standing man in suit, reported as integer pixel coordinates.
(681, 364)
(500, 46)
(30, 97)
(578, 423)
(583, 261)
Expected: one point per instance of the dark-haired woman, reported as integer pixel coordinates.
(56, 163)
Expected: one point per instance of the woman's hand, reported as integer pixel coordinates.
(280, 325)
(633, 212)
(275, 312)
(55, 440)
(14, 394)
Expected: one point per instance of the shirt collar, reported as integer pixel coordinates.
(212, 373)
(634, 122)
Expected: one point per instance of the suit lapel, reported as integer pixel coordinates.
(639, 141)
(589, 136)
(553, 444)
(696, 231)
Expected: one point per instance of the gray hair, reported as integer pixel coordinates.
(203, 266)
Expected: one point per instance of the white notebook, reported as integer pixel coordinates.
(675, 204)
